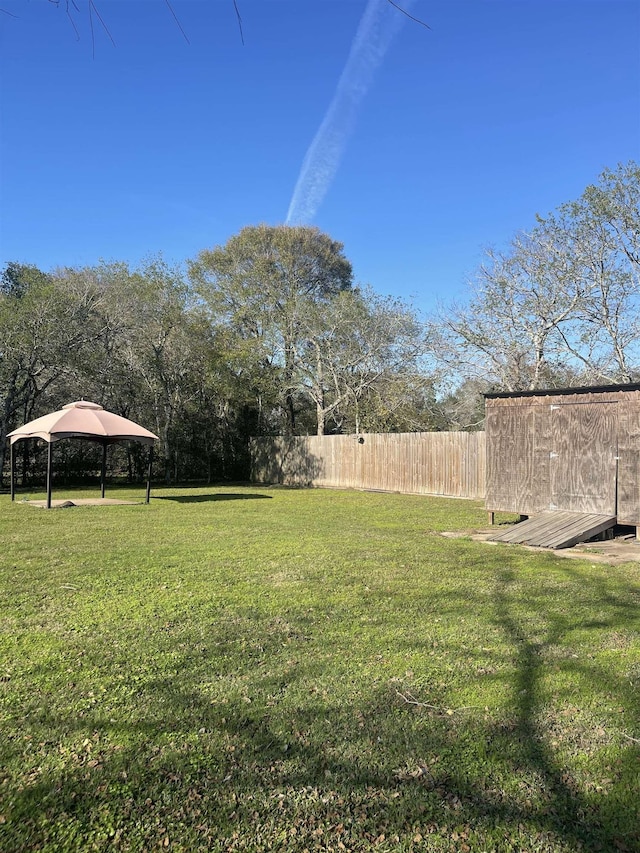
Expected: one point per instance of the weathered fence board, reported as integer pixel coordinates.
(426, 463)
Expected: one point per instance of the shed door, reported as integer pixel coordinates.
(583, 458)
(510, 479)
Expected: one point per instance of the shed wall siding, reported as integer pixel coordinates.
(629, 462)
(577, 452)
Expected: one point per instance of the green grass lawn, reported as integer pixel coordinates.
(269, 669)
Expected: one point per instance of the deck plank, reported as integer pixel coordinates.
(555, 530)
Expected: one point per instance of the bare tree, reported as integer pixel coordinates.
(604, 227)
(563, 300)
(357, 346)
(511, 330)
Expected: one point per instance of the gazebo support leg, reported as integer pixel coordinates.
(12, 469)
(49, 459)
(103, 470)
(148, 495)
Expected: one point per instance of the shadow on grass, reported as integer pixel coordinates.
(570, 814)
(222, 496)
(274, 760)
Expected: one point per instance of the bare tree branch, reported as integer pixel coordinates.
(93, 8)
(404, 12)
(70, 16)
(177, 21)
(72, 5)
(235, 6)
(105, 27)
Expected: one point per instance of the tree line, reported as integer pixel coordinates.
(269, 334)
(264, 335)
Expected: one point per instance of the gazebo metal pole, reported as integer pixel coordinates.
(12, 469)
(103, 470)
(49, 458)
(148, 495)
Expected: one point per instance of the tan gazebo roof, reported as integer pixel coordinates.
(83, 419)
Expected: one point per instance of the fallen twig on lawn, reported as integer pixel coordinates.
(634, 739)
(411, 700)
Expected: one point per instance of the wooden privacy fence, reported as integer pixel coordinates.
(423, 463)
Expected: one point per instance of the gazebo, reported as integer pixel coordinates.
(82, 420)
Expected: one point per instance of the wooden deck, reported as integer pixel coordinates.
(556, 529)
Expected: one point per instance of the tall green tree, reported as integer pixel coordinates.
(158, 351)
(38, 330)
(264, 283)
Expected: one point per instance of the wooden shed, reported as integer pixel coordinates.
(573, 450)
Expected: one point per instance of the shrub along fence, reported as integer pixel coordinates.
(424, 463)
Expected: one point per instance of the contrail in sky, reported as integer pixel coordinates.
(378, 26)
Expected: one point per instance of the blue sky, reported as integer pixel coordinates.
(503, 109)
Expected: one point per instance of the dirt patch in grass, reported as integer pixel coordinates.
(66, 504)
